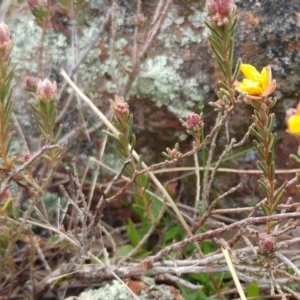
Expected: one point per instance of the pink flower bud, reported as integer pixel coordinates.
(30, 83)
(119, 106)
(266, 242)
(139, 19)
(219, 10)
(290, 112)
(5, 194)
(46, 89)
(221, 7)
(27, 156)
(4, 35)
(193, 121)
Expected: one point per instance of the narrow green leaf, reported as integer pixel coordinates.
(41, 129)
(215, 44)
(230, 51)
(218, 56)
(264, 209)
(265, 187)
(259, 148)
(273, 140)
(262, 167)
(278, 194)
(59, 133)
(237, 70)
(254, 132)
(270, 158)
(133, 142)
(111, 134)
(133, 233)
(233, 24)
(297, 160)
(271, 121)
(213, 31)
(274, 101)
(224, 86)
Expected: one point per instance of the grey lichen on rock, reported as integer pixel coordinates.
(116, 291)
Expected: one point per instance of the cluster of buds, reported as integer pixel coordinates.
(173, 153)
(119, 107)
(193, 124)
(46, 90)
(220, 11)
(5, 42)
(266, 243)
(222, 104)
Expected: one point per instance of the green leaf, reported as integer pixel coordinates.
(259, 148)
(255, 132)
(237, 70)
(156, 207)
(272, 141)
(264, 209)
(213, 31)
(133, 233)
(278, 194)
(171, 233)
(217, 54)
(233, 25)
(271, 122)
(253, 290)
(230, 51)
(270, 158)
(124, 250)
(265, 187)
(262, 167)
(133, 142)
(59, 133)
(224, 86)
(111, 134)
(215, 44)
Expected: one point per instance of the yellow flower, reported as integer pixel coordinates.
(293, 120)
(257, 84)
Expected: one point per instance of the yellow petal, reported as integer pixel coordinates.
(293, 123)
(250, 87)
(269, 90)
(264, 79)
(250, 72)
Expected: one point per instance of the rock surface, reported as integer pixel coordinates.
(178, 70)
